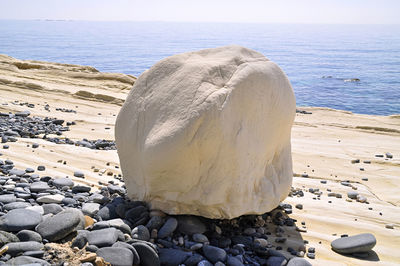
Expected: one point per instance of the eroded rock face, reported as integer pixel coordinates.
(208, 133)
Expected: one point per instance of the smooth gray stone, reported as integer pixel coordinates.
(352, 194)
(79, 174)
(103, 237)
(90, 209)
(168, 228)
(60, 225)
(298, 262)
(148, 256)
(29, 235)
(116, 256)
(199, 238)
(141, 232)
(16, 205)
(354, 244)
(120, 244)
(190, 225)
(27, 260)
(7, 198)
(62, 182)
(52, 208)
(155, 222)
(232, 261)
(16, 172)
(193, 260)
(39, 186)
(20, 219)
(214, 254)
(276, 261)
(15, 248)
(172, 257)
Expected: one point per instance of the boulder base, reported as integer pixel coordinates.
(208, 133)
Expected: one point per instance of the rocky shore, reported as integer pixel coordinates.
(346, 183)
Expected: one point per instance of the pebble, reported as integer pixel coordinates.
(116, 256)
(52, 208)
(20, 219)
(173, 257)
(56, 198)
(299, 206)
(190, 225)
(200, 238)
(389, 226)
(352, 194)
(148, 256)
(357, 243)
(16, 248)
(103, 237)
(168, 228)
(63, 182)
(28, 235)
(90, 209)
(214, 254)
(60, 225)
(79, 174)
(141, 232)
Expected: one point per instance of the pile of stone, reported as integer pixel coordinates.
(22, 125)
(37, 211)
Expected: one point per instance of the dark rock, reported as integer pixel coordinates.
(60, 225)
(20, 219)
(233, 261)
(36, 253)
(28, 235)
(190, 225)
(214, 254)
(116, 256)
(27, 260)
(141, 232)
(136, 258)
(172, 257)
(168, 228)
(353, 244)
(6, 237)
(79, 174)
(79, 241)
(276, 261)
(193, 260)
(148, 256)
(52, 208)
(107, 212)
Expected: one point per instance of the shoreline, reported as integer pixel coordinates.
(324, 144)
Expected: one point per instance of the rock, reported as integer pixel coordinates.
(16, 248)
(172, 257)
(352, 194)
(168, 228)
(16, 205)
(190, 225)
(6, 237)
(389, 155)
(56, 198)
(79, 241)
(200, 238)
(148, 256)
(276, 261)
(193, 260)
(103, 237)
(216, 130)
(20, 219)
(63, 182)
(27, 260)
(52, 208)
(60, 225)
(389, 226)
(205, 263)
(233, 261)
(354, 244)
(7, 198)
(116, 256)
(90, 209)
(39, 186)
(136, 258)
(28, 235)
(298, 262)
(141, 232)
(155, 222)
(107, 212)
(214, 254)
(79, 174)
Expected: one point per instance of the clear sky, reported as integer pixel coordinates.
(264, 11)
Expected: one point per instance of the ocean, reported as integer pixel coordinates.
(347, 67)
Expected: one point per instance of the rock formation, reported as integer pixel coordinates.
(208, 133)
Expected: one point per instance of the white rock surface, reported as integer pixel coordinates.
(208, 133)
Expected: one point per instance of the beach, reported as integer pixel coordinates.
(326, 145)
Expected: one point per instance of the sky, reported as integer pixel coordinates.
(251, 11)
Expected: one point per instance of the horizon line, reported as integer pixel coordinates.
(183, 21)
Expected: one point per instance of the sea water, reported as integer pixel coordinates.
(348, 67)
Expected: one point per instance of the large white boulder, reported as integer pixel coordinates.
(208, 133)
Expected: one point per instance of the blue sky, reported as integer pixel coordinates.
(263, 11)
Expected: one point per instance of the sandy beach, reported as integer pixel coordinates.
(324, 143)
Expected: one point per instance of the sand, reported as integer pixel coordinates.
(323, 145)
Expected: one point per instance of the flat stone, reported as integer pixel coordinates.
(141, 232)
(16, 248)
(52, 208)
(27, 260)
(136, 258)
(116, 256)
(7, 198)
(36, 208)
(168, 228)
(214, 254)
(16, 172)
(148, 256)
(39, 186)
(60, 225)
(103, 237)
(173, 257)
(79, 174)
(56, 198)
(354, 244)
(20, 219)
(352, 194)
(63, 182)
(16, 205)
(6, 237)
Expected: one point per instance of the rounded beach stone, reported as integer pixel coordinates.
(214, 254)
(148, 256)
(56, 198)
(116, 256)
(62, 182)
(103, 237)
(215, 126)
(298, 262)
(28, 235)
(39, 186)
(20, 219)
(354, 244)
(15, 248)
(172, 257)
(168, 228)
(141, 232)
(60, 225)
